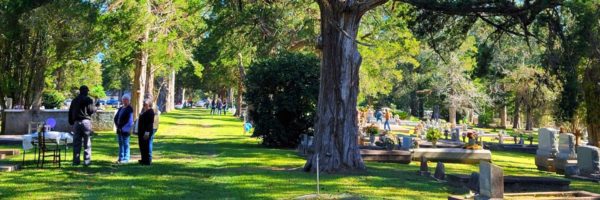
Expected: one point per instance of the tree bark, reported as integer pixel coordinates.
(528, 118)
(240, 90)
(149, 89)
(516, 117)
(170, 99)
(452, 115)
(139, 78)
(503, 116)
(336, 129)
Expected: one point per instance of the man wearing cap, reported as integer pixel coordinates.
(80, 115)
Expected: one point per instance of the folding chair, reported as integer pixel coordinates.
(48, 146)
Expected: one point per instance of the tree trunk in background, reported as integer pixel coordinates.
(414, 104)
(591, 88)
(528, 118)
(503, 116)
(516, 117)
(149, 89)
(139, 78)
(183, 100)
(452, 115)
(336, 125)
(240, 89)
(170, 99)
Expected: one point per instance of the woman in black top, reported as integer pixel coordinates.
(145, 125)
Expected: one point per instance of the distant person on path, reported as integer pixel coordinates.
(219, 105)
(80, 115)
(387, 116)
(124, 121)
(379, 116)
(213, 106)
(224, 107)
(145, 130)
(247, 127)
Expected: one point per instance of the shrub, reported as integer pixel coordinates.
(485, 118)
(433, 134)
(52, 99)
(282, 93)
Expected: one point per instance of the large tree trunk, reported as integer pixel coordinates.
(452, 115)
(139, 78)
(240, 90)
(528, 118)
(591, 88)
(170, 99)
(149, 91)
(516, 114)
(503, 116)
(336, 129)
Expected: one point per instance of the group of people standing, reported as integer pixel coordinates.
(145, 127)
(80, 112)
(218, 107)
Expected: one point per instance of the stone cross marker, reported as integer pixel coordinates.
(491, 181)
(566, 151)
(588, 160)
(547, 147)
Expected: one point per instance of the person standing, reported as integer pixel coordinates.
(213, 106)
(145, 126)
(154, 129)
(219, 105)
(124, 121)
(224, 107)
(379, 116)
(386, 124)
(80, 115)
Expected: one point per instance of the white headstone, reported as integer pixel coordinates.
(547, 147)
(588, 160)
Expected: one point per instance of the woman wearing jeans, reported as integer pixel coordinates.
(124, 121)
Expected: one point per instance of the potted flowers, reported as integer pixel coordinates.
(433, 135)
(372, 130)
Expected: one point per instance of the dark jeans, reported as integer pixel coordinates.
(146, 148)
(83, 135)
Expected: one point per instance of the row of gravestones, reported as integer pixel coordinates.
(557, 152)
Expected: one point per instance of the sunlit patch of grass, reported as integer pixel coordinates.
(199, 156)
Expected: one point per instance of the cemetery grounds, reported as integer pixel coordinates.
(199, 156)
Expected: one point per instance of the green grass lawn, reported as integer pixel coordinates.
(198, 156)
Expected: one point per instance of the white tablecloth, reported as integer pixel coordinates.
(60, 138)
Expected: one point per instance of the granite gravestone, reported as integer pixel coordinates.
(547, 148)
(440, 171)
(588, 160)
(491, 181)
(424, 170)
(407, 143)
(566, 152)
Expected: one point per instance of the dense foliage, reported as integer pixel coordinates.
(282, 93)
(52, 99)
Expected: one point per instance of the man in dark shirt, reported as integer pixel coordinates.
(80, 115)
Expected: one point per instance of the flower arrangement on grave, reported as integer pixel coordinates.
(433, 135)
(372, 130)
(385, 141)
(472, 144)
